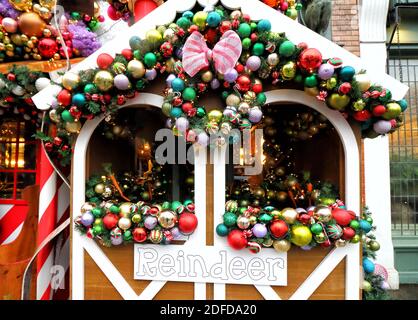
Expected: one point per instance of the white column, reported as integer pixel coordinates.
(376, 151)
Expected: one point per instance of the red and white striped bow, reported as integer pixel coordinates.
(225, 54)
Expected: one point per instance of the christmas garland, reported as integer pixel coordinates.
(26, 31)
(16, 89)
(266, 57)
(130, 208)
(288, 7)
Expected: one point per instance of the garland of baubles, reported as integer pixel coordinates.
(26, 31)
(288, 7)
(261, 57)
(257, 227)
(16, 89)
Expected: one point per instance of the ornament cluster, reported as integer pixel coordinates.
(27, 32)
(288, 7)
(16, 89)
(116, 223)
(257, 227)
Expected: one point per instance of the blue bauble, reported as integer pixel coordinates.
(188, 14)
(176, 112)
(177, 85)
(135, 42)
(184, 23)
(365, 226)
(366, 124)
(214, 19)
(347, 73)
(264, 25)
(404, 104)
(368, 265)
(222, 230)
(79, 100)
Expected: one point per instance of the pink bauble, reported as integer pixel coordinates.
(253, 63)
(380, 270)
(9, 24)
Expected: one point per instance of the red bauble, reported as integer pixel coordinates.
(237, 240)
(225, 26)
(139, 234)
(193, 28)
(64, 97)
(104, 60)
(326, 244)
(113, 14)
(243, 83)
(187, 223)
(110, 221)
(310, 59)
(57, 141)
(270, 3)
(343, 217)
(279, 229)
(348, 233)
(187, 107)
(142, 8)
(127, 54)
(303, 45)
(344, 88)
(379, 110)
(304, 218)
(257, 88)
(240, 68)
(47, 47)
(11, 77)
(211, 35)
(362, 115)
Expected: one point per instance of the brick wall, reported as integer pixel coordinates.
(345, 25)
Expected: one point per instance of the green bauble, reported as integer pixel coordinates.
(175, 205)
(258, 49)
(166, 205)
(90, 88)
(369, 220)
(166, 108)
(97, 212)
(354, 224)
(97, 230)
(199, 19)
(222, 230)
(287, 48)
(189, 94)
(265, 218)
(338, 102)
(244, 30)
(311, 81)
(184, 23)
(246, 43)
(230, 219)
(150, 59)
(127, 235)
(114, 209)
(66, 116)
(393, 110)
(374, 245)
(316, 228)
(201, 112)
(261, 98)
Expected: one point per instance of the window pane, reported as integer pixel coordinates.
(6, 185)
(7, 156)
(8, 131)
(24, 180)
(27, 156)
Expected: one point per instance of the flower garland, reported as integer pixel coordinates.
(16, 90)
(131, 208)
(26, 31)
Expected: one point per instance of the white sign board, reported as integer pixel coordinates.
(209, 264)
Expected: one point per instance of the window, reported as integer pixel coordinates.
(18, 151)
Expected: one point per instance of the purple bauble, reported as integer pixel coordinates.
(325, 71)
(300, 210)
(150, 222)
(231, 75)
(116, 241)
(54, 103)
(170, 79)
(175, 232)
(253, 63)
(121, 82)
(87, 219)
(151, 74)
(215, 84)
(179, 52)
(202, 139)
(259, 230)
(229, 111)
(306, 248)
(384, 285)
(182, 124)
(255, 115)
(169, 123)
(311, 208)
(382, 126)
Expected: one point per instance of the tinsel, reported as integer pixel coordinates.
(7, 10)
(83, 40)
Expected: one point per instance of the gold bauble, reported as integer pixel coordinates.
(253, 220)
(31, 24)
(21, 5)
(48, 3)
(16, 39)
(322, 214)
(289, 215)
(96, 9)
(125, 209)
(233, 100)
(273, 59)
(169, 65)
(340, 243)
(249, 97)
(288, 71)
(167, 219)
(207, 76)
(136, 218)
(45, 13)
(99, 188)
(73, 127)
(37, 56)
(338, 101)
(136, 68)
(57, 56)
(47, 33)
(215, 115)
(282, 245)
(70, 80)
(300, 235)
(275, 214)
(103, 80)
(314, 91)
(363, 82)
(36, 7)
(87, 206)
(199, 19)
(154, 37)
(53, 115)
